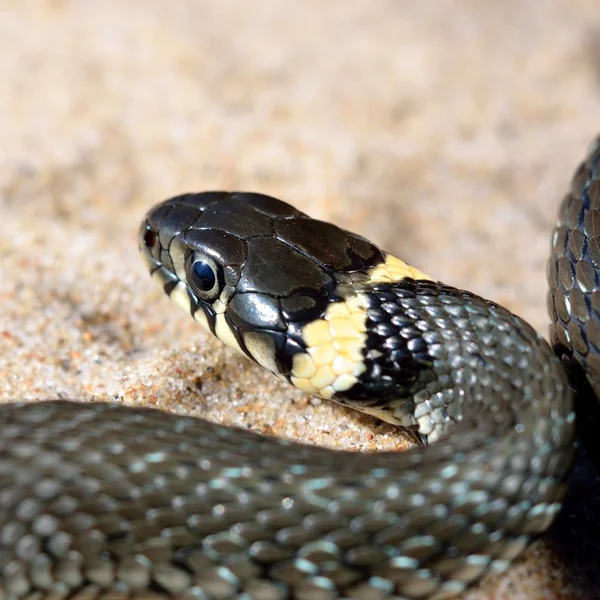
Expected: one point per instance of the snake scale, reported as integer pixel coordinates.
(99, 501)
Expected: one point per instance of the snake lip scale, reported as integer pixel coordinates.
(101, 501)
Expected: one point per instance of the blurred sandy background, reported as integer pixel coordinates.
(445, 131)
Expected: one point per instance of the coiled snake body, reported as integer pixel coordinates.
(101, 501)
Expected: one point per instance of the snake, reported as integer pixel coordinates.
(101, 501)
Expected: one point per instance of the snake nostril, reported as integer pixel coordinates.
(150, 238)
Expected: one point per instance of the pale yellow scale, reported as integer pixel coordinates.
(394, 269)
(333, 360)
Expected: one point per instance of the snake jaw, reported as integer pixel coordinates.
(246, 238)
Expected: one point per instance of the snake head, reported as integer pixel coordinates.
(253, 270)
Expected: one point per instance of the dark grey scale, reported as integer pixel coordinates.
(574, 298)
(295, 271)
(228, 249)
(177, 218)
(272, 207)
(303, 307)
(335, 248)
(198, 201)
(260, 311)
(233, 215)
(269, 206)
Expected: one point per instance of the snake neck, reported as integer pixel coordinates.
(428, 350)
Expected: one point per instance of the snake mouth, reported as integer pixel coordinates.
(156, 257)
(196, 247)
(168, 258)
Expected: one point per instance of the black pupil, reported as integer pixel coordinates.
(204, 276)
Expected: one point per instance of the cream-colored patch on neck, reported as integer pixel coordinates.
(394, 269)
(334, 356)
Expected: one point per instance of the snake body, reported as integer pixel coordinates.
(103, 501)
(574, 298)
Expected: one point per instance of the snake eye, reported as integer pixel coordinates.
(204, 276)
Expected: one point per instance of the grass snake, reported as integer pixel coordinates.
(104, 501)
